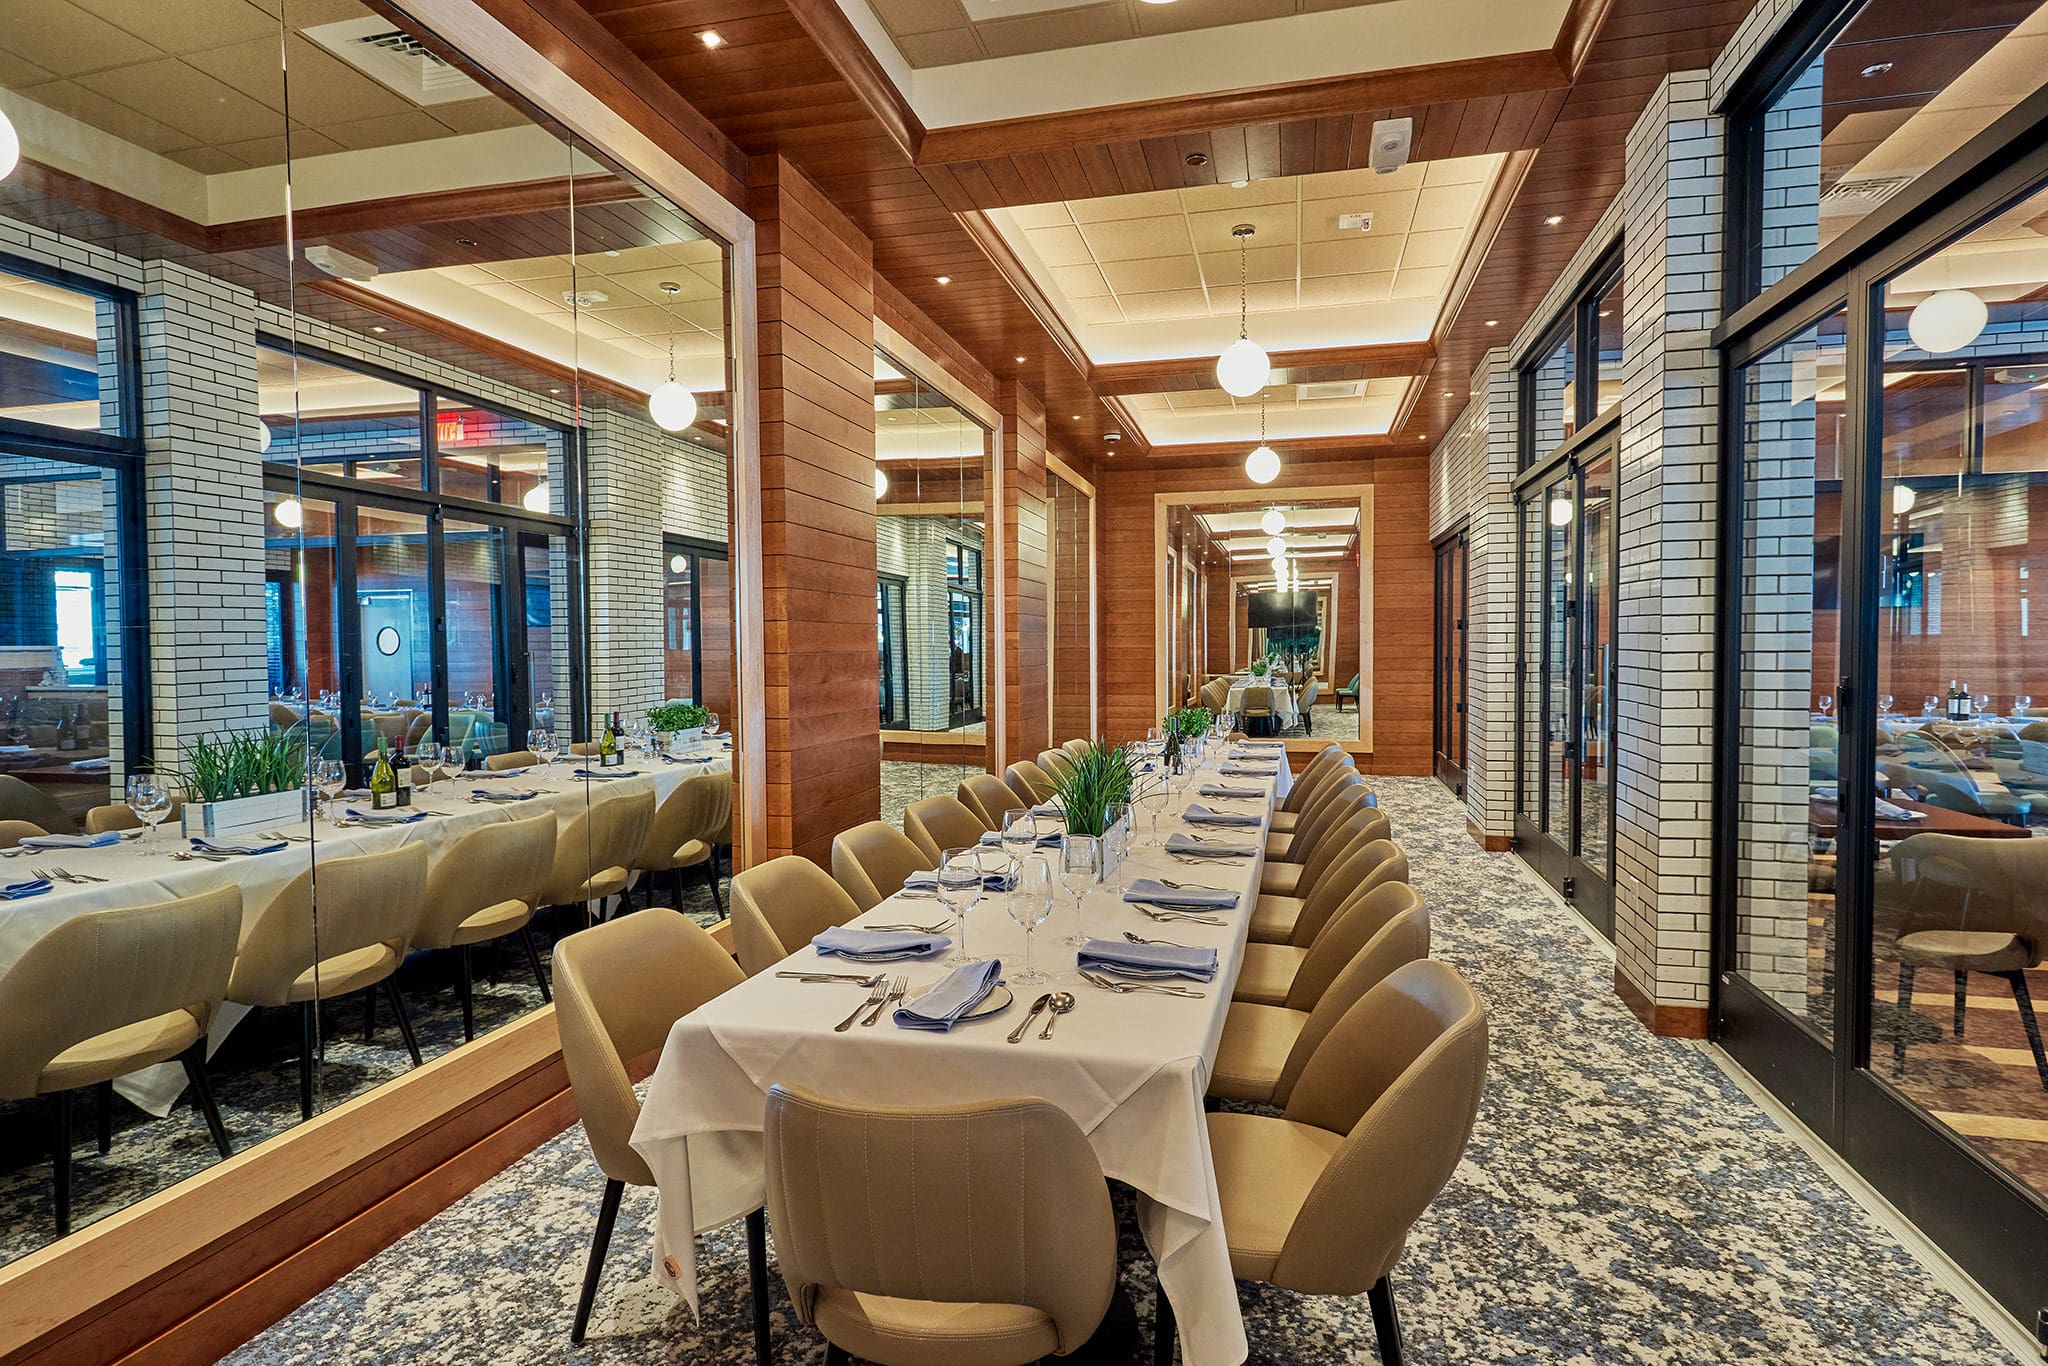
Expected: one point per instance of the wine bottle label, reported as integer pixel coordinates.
(613, 760)
(383, 801)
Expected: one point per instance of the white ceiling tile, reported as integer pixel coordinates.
(1138, 239)
(1275, 224)
(1041, 215)
(1449, 206)
(1432, 248)
(1060, 246)
(1166, 305)
(1080, 282)
(1420, 284)
(1351, 255)
(1146, 277)
(1151, 204)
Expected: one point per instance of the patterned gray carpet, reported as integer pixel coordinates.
(1621, 1202)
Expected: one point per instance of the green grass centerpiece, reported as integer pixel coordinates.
(677, 716)
(1101, 778)
(254, 763)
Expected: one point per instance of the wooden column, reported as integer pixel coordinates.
(1027, 543)
(1403, 620)
(817, 302)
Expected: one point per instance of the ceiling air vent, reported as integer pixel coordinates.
(1859, 194)
(1342, 388)
(396, 60)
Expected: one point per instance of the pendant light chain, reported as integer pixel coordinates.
(1244, 287)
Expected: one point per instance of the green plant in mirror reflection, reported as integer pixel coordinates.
(674, 716)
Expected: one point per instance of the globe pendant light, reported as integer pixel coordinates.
(672, 407)
(536, 498)
(1262, 466)
(10, 146)
(881, 483)
(1274, 522)
(1276, 547)
(1244, 367)
(1946, 320)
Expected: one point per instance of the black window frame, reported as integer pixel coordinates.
(1579, 319)
(695, 550)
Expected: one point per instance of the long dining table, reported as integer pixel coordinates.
(1131, 1069)
(143, 871)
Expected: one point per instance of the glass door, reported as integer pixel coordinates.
(1448, 725)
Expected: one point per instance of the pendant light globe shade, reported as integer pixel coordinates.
(1276, 547)
(1274, 522)
(1262, 466)
(1947, 320)
(672, 407)
(881, 483)
(262, 437)
(1243, 368)
(536, 499)
(1903, 499)
(10, 146)
(1560, 512)
(1279, 566)
(290, 513)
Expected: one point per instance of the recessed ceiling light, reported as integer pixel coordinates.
(944, 279)
(1196, 159)
(710, 38)
(1450, 393)
(1020, 360)
(1493, 322)
(1554, 219)
(1077, 417)
(612, 252)
(1877, 69)
(1605, 311)
(1113, 436)
(379, 327)
(1158, 2)
(465, 241)
(1239, 184)
(1422, 436)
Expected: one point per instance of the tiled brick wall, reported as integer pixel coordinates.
(913, 548)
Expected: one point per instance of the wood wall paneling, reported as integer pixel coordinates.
(1027, 548)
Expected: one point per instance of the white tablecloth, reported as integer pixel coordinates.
(141, 874)
(1285, 713)
(1131, 1070)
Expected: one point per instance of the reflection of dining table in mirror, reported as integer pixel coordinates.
(1823, 816)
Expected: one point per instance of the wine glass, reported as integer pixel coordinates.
(330, 776)
(1029, 905)
(1983, 700)
(959, 879)
(1116, 845)
(1827, 704)
(1080, 869)
(150, 800)
(710, 724)
(1155, 796)
(1884, 704)
(1020, 835)
(1928, 704)
(2022, 704)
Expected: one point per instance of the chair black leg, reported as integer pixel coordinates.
(60, 1154)
(412, 1045)
(1165, 1336)
(195, 1072)
(306, 1059)
(369, 1014)
(533, 961)
(835, 1355)
(1905, 1009)
(1962, 1000)
(2025, 1001)
(103, 1115)
(711, 876)
(465, 986)
(757, 1283)
(1386, 1324)
(607, 1213)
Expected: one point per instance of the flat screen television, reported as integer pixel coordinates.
(1282, 611)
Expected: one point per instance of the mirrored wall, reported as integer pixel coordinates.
(934, 594)
(364, 575)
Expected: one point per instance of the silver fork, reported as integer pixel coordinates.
(1126, 988)
(897, 989)
(1190, 886)
(70, 876)
(1135, 939)
(47, 874)
(1187, 917)
(294, 839)
(907, 928)
(877, 994)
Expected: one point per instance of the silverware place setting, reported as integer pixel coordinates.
(65, 875)
(907, 928)
(1157, 988)
(897, 990)
(855, 978)
(878, 996)
(1185, 917)
(1169, 943)
(194, 856)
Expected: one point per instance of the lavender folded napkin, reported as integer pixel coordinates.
(1147, 960)
(228, 846)
(1187, 845)
(878, 946)
(99, 841)
(375, 817)
(1152, 892)
(27, 887)
(954, 995)
(1197, 814)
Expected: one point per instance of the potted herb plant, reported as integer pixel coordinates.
(242, 780)
(671, 720)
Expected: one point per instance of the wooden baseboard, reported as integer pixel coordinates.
(197, 1269)
(1672, 1022)
(1492, 844)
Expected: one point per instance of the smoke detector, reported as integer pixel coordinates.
(1391, 140)
(338, 263)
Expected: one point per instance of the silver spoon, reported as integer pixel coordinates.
(1062, 1002)
(1017, 1034)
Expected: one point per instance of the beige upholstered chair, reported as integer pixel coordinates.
(937, 824)
(1264, 1047)
(487, 886)
(1320, 1201)
(1216, 694)
(1296, 976)
(1056, 763)
(1968, 905)
(1076, 748)
(369, 907)
(1255, 705)
(1297, 920)
(1307, 705)
(780, 906)
(1340, 821)
(118, 816)
(1310, 782)
(988, 797)
(104, 993)
(873, 860)
(594, 853)
(1001, 1252)
(14, 832)
(1281, 843)
(686, 832)
(622, 986)
(511, 758)
(1030, 782)
(24, 801)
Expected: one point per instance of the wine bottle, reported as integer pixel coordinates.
(608, 751)
(383, 783)
(401, 771)
(67, 733)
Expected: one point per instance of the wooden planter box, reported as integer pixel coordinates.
(213, 819)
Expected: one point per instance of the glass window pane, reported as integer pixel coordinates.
(479, 703)
(349, 423)
(1596, 651)
(546, 565)
(1557, 589)
(1926, 421)
(497, 457)
(1556, 397)
(299, 601)
(1791, 542)
(59, 353)
(1607, 321)
(1532, 660)
(679, 664)
(1898, 89)
(397, 626)
(2016, 418)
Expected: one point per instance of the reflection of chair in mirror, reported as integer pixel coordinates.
(511, 758)
(120, 816)
(1348, 692)
(1030, 782)
(369, 906)
(937, 824)
(1967, 905)
(14, 832)
(872, 861)
(1056, 764)
(105, 993)
(1320, 1200)
(1216, 694)
(983, 1260)
(1256, 706)
(484, 887)
(24, 801)
(1308, 706)
(594, 853)
(780, 906)
(686, 832)
(623, 987)
(988, 797)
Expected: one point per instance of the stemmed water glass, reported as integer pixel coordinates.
(1884, 704)
(1827, 704)
(2022, 704)
(426, 761)
(329, 776)
(542, 742)
(1155, 796)
(1929, 704)
(710, 724)
(959, 885)
(150, 800)
(1020, 837)
(1029, 905)
(1983, 700)
(1116, 845)
(1080, 869)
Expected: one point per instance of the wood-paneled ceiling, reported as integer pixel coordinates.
(791, 78)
